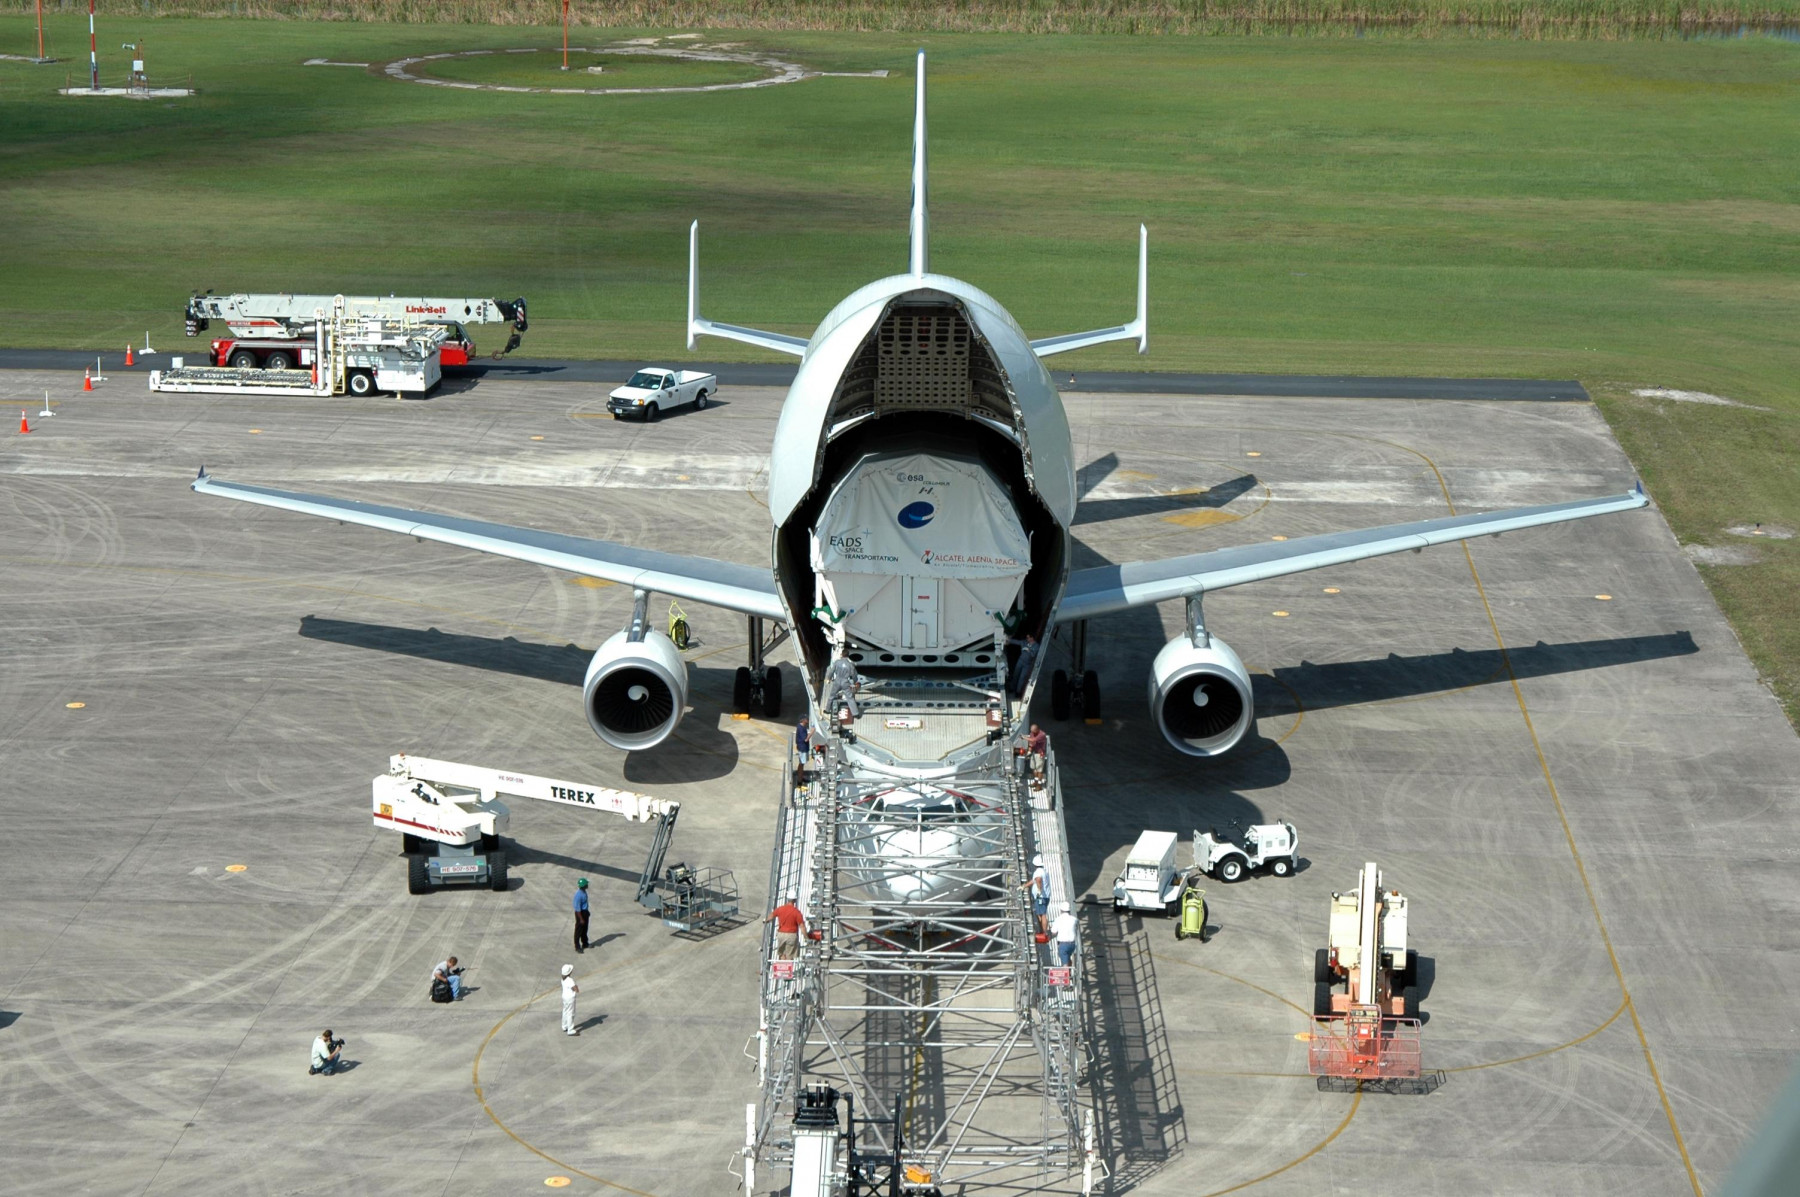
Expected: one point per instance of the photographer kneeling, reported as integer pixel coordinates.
(325, 1054)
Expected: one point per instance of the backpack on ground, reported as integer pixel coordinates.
(440, 990)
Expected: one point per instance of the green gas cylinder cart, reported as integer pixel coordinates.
(1192, 905)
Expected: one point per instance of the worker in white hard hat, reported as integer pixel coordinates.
(1039, 889)
(1065, 930)
(569, 990)
(789, 921)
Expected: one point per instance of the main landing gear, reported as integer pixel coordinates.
(757, 686)
(1077, 689)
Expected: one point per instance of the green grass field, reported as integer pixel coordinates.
(1625, 213)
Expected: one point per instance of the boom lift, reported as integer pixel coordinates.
(451, 818)
(1369, 1030)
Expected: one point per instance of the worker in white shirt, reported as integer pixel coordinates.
(569, 990)
(1065, 931)
(1039, 889)
(325, 1051)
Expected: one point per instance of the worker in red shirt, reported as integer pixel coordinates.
(789, 922)
(1037, 745)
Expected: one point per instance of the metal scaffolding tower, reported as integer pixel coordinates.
(940, 1016)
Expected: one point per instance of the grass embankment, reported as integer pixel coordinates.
(1606, 19)
(1626, 214)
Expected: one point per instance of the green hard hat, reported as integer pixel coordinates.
(582, 884)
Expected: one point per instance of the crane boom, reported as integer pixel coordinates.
(493, 784)
(250, 314)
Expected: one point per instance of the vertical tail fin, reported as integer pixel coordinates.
(919, 258)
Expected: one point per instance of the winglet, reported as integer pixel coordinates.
(1142, 323)
(201, 479)
(693, 320)
(919, 258)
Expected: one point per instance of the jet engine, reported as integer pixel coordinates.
(635, 690)
(1201, 696)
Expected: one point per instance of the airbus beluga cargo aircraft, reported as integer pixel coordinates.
(921, 489)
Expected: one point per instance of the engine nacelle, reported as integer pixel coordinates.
(635, 691)
(1201, 697)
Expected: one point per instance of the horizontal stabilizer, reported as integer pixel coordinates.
(1138, 330)
(1108, 588)
(699, 327)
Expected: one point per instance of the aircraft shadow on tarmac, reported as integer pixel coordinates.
(697, 751)
(1095, 511)
(1346, 683)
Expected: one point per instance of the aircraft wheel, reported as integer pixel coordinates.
(740, 691)
(771, 695)
(1090, 695)
(1059, 695)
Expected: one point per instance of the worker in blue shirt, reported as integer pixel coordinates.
(581, 915)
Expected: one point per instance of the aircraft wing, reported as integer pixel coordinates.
(1108, 588)
(744, 588)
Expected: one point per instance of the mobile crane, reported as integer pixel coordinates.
(451, 818)
(273, 331)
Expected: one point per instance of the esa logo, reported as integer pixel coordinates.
(916, 515)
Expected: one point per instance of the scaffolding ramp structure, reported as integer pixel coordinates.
(920, 991)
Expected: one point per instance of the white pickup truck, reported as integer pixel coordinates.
(654, 390)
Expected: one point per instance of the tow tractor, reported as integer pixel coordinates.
(1368, 1029)
(451, 819)
(273, 330)
(1269, 846)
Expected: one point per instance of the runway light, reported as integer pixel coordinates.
(682, 478)
(1253, 453)
(235, 868)
(557, 1182)
(1279, 614)
(254, 431)
(537, 438)
(74, 706)
(1277, 538)
(1332, 590)
(1605, 598)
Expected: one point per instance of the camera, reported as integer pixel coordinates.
(337, 1045)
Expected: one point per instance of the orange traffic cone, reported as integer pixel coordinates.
(23, 426)
(87, 381)
(128, 360)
